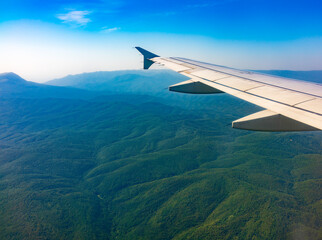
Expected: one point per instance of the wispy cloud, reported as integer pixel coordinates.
(78, 18)
(108, 30)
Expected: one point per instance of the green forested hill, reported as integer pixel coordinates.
(134, 167)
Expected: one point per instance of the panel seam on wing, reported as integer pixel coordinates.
(268, 84)
(264, 97)
(304, 101)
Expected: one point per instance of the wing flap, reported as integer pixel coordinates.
(210, 75)
(310, 118)
(281, 95)
(239, 83)
(312, 106)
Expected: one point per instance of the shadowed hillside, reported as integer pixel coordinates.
(131, 166)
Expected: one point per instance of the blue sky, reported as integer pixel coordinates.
(41, 40)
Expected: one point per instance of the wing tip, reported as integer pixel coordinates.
(146, 53)
(146, 57)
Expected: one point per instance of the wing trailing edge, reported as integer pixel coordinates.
(291, 105)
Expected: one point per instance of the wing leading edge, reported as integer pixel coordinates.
(291, 105)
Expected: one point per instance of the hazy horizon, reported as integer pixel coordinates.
(42, 41)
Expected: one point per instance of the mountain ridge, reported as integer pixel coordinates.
(13, 86)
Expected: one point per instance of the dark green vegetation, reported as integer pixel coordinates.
(131, 166)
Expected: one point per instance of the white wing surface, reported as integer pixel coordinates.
(291, 105)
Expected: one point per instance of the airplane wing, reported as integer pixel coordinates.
(290, 105)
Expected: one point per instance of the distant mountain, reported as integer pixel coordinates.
(127, 88)
(130, 81)
(152, 81)
(141, 82)
(12, 78)
(13, 86)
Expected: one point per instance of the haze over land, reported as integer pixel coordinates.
(120, 164)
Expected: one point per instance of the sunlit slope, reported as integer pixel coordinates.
(133, 167)
(83, 170)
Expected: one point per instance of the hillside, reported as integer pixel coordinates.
(132, 166)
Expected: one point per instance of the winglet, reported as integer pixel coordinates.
(146, 57)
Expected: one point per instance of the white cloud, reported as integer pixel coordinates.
(108, 30)
(75, 17)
